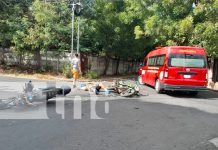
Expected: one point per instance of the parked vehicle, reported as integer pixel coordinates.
(175, 68)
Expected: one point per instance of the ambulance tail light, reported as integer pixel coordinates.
(166, 74)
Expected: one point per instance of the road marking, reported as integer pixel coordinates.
(214, 141)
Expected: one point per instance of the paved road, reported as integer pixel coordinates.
(155, 122)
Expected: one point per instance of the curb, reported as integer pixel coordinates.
(109, 79)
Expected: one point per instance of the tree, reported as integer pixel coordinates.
(48, 28)
(176, 22)
(11, 21)
(205, 33)
(122, 30)
(113, 31)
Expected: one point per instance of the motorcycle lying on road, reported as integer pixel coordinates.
(29, 95)
(124, 89)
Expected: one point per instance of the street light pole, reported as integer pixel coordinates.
(78, 32)
(77, 6)
(73, 14)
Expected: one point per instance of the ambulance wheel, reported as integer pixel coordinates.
(140, 80)
(157, 87)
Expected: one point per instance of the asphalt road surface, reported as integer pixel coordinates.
(173, 121)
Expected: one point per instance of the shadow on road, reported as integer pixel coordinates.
(207, 95)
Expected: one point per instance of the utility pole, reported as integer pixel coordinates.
(77, 7)
(73, 14)
(78, 32)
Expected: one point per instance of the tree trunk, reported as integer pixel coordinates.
(58, 62)
(20, 60)
(215, 70)
(107, 62)
(2, 57)
(38, 59)
(117, 66)
(46, 57)
(132, 69)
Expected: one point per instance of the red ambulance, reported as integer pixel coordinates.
(175, 68)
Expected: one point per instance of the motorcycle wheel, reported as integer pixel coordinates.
(127, 93)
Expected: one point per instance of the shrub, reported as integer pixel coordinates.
(47, 67)
(91, 74)
(66, 70)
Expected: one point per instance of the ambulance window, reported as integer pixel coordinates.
(160, 60)
(187, 60)
(152, 61)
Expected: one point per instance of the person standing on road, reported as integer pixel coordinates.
(76, 68)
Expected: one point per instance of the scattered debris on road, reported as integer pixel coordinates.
(119, 87)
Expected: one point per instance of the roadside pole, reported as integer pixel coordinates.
(78, 33)
(73, 14)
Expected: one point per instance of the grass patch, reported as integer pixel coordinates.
(91, 74)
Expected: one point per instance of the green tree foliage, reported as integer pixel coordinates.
(113, 28)
(123, 29)
(45, 26)
(177, 22)
(112, 31)
(10, 19)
